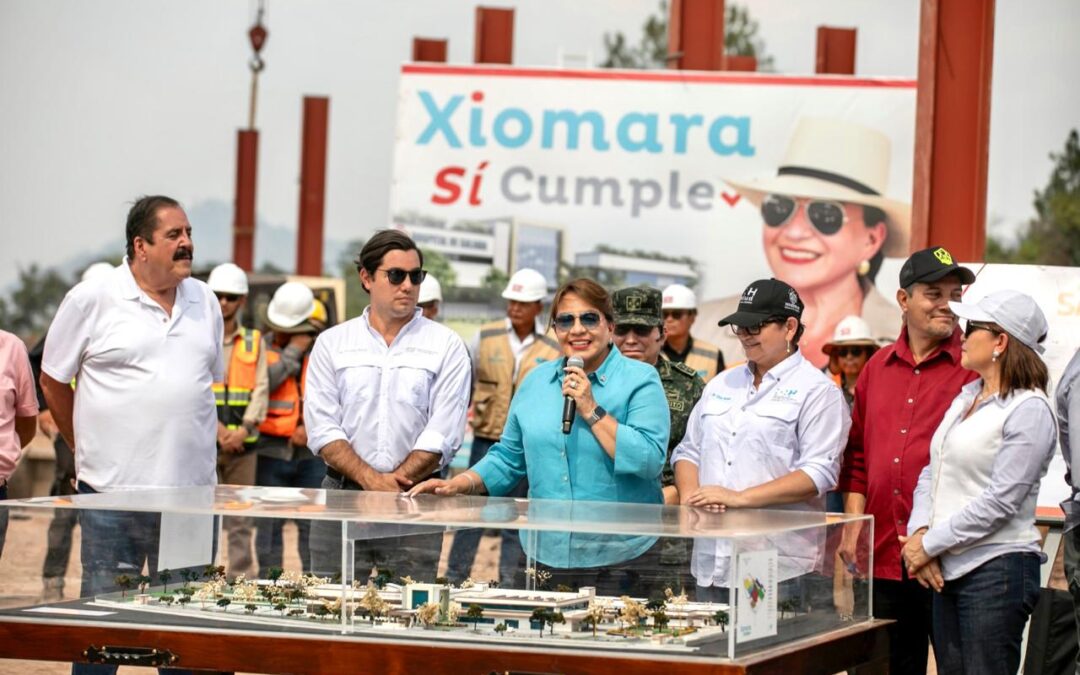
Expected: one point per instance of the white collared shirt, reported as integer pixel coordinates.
(387, 401)
(144, 408)
(740, 437)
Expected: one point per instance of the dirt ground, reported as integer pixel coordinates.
(24, 554)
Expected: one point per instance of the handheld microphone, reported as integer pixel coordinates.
(569, 406)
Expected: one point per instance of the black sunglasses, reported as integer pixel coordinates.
(565, 321)
(827, 217)
(739, 331)
(396, 275)
(640, 331)
(973, 326)
(227, 297)
(676, 314)
(858, 350)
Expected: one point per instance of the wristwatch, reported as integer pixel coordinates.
(598, 414)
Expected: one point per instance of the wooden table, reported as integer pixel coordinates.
(863, 646)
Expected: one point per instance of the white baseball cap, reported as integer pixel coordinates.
(1016, 312)
(527, 285)
(677, 296)
(430, 290)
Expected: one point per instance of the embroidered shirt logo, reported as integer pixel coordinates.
(785, 395)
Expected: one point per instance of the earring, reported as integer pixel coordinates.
(994, 356)
(789, 347)
(863, 269)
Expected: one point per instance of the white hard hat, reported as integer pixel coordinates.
(430, 290)
(97, 270)
(677, 296)
(527, 285)
(293, 303)
(851, 331)
(228, 278)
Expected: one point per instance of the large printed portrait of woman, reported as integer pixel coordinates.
(826, 226)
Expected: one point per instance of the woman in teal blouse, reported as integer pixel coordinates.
(614, 452)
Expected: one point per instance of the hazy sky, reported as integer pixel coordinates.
(105, 100)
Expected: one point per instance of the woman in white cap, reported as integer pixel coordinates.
(973, 537)
(827, 225)
(848, 351)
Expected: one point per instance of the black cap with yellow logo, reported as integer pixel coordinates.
(930, 265)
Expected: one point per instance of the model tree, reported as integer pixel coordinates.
(500, 628)
(660, 619)
(223, 602)
(721, 617)
(165, 576)
(274, 573)
(428, 613)
(633, 612)
(123, 582)
(475, 612)
(250, 608)
(594, 615)
(554, 618)
(540, 616)
(372, 602)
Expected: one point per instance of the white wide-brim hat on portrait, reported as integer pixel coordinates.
(842, 161)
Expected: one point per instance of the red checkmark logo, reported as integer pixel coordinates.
(731, 198)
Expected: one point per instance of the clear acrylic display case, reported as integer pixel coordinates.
(776, 579)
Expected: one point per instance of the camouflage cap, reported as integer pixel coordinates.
(638, 306)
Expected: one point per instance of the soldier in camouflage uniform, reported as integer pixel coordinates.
(639, 335)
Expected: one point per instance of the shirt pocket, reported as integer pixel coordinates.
(412, 385)
(357, 376)
(778, 425)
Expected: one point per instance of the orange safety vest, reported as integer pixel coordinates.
(283, 413)
(234, 395)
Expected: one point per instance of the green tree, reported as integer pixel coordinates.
(123, 582)
(438, 266)
(475, 612)
(721, 618)
(30, 307)
(540, 616)
(165, 576)
(1052, 237)
(740, 39)
(500, 628)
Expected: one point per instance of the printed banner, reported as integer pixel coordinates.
(756, 585)
(710, 180)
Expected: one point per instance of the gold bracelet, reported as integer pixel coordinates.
(472, 483)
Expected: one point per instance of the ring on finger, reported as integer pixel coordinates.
(573, 384)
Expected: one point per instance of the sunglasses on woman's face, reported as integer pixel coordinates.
(827, 217)
(844, 352)
(640, 331)
(565, 321)
(396, 275)
(973, 326)
(739, 331)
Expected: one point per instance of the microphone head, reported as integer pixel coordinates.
(575, 362)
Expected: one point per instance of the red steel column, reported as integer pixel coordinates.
(494, 39)
(952, 126)
(247, 156)
(309, 236)
(696, 35)
(430, 50)
(734, 62)
(835, 51)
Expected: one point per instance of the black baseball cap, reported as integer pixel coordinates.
(763, 299)
(930, 265)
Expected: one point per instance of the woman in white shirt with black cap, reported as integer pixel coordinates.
(973, 519)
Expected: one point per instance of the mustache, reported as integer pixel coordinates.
(183, 254)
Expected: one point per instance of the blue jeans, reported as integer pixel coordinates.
(463, 549)
(113, 543)
(304, 472)
(978, 619)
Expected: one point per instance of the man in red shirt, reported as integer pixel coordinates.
(900, 398)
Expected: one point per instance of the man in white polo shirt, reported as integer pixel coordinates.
(385, 404)
(144, 344)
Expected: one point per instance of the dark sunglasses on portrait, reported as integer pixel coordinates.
(844, 352)
(227, 297)
(640, 331)
(676, 314)
(973, 326)
(827, 217)
(396, 275)
(565, 321)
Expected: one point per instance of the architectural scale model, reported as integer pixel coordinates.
(443, 611)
